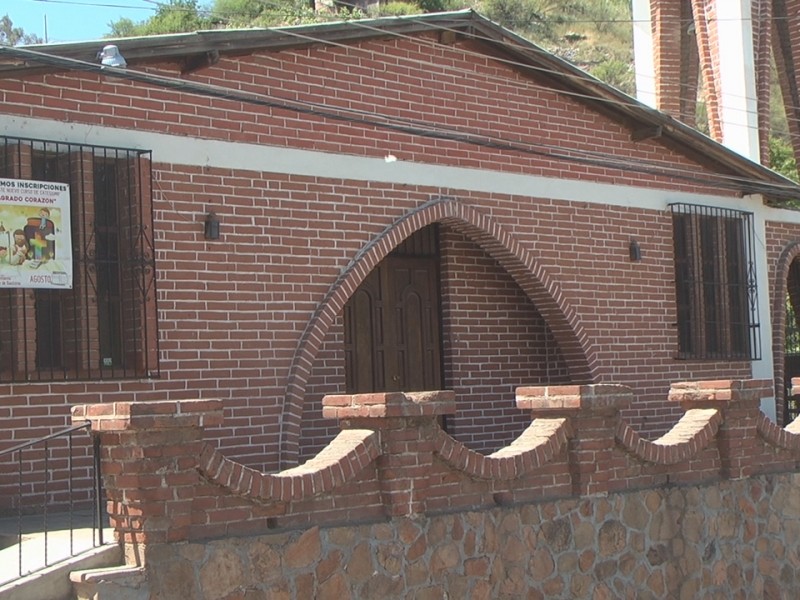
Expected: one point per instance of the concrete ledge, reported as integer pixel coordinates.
(54, 582)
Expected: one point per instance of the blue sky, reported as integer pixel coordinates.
(73, 20)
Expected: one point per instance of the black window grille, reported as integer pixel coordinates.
(105, 326)
(715, 283)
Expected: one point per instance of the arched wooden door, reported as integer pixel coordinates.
(392, 333)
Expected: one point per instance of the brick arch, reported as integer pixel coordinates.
(544, 292)
(779, 287)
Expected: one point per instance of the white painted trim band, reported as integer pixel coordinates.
(180, 150)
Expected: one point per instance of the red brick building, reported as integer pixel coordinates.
(406, 203)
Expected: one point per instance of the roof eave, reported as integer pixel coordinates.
(168, 47)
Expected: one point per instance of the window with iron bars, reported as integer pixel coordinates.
(715, 283)
(105, 327)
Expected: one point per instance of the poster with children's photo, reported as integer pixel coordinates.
(35, 234)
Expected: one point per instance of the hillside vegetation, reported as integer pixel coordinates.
(595, 34)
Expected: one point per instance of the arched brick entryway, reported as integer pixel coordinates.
(545, 293)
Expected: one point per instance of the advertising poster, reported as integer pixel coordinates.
(35, 234)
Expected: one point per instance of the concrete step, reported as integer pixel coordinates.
(53, 583)
(33, 550)
(115, 583)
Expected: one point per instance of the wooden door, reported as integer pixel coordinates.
(392, 335)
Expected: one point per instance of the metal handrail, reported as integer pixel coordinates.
(97, 491)
(46, 438)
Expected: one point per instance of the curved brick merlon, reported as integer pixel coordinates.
(538, 444)
(692, 434)
(389, 404)
(341, 461)
(555, 399)
(787, 438)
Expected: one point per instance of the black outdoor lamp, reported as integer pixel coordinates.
(635, 251)
(212, 226)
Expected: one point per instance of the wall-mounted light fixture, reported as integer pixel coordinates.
(212, 226)
(635, 251)
(110, 57)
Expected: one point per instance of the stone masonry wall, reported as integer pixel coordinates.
(733, 539)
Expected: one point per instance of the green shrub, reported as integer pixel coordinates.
(397, 9)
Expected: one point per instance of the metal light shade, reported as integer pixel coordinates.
(110, 57)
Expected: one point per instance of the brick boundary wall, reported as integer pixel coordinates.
(165, 485)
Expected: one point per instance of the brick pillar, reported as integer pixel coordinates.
(704, 12)
(149, 453)
(406, 422)
(786, 51)
(762, 24)
(740, 403)
(668, 38)
(593, 411)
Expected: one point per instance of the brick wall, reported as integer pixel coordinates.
(252, 319)
(230, 327)
(668, 46)
(495, 341)
(452, 86)
(786, 52)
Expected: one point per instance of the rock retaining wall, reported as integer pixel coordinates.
(734, 539)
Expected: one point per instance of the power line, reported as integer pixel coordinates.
(686, 116)
(549, 71)
(735, 109)
(95, 4)
(312, 38)
(527, 84)
(267, 3)
(408, 126)
(540, 69)
(544, 21)
(495, 41)
(514, 46)
(502, 80)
